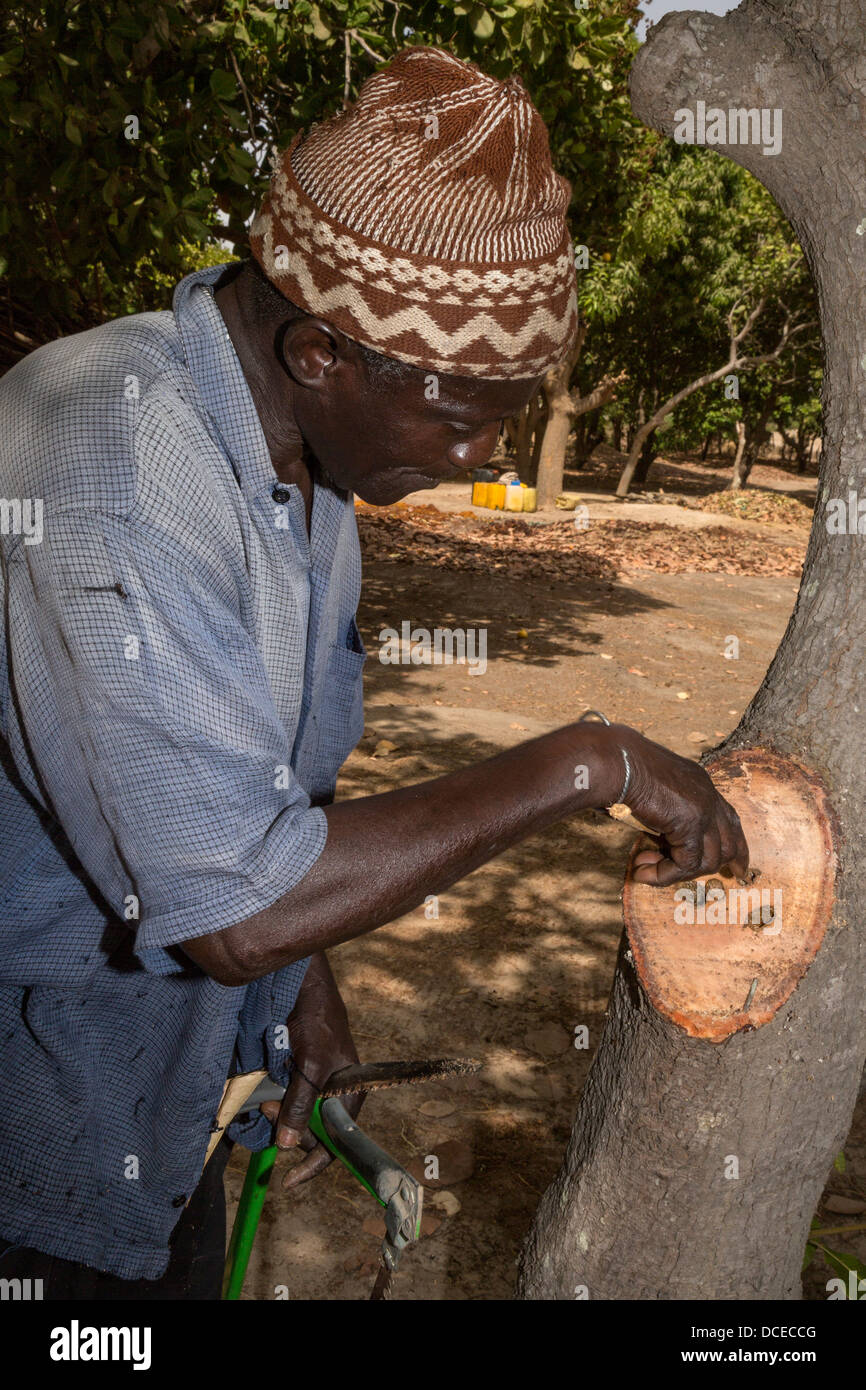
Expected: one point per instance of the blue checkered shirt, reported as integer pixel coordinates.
(180, 681)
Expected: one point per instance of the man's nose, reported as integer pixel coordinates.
(475, 449)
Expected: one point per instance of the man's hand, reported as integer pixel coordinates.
(699, 830)
(321, 1043)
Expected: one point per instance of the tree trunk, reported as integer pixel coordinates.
(645, 460)
(587, 435)
(803, 444)
(748, 439)
(741, 471)
(562, 410)
(637, 422)
(580, 440)
(648, 427)
(521, 430)
(742, 434)
(735, 362)
(551, 459)
(560, 414)
(800, 452)
(755, 437)
(594, 437)
(642, 1208)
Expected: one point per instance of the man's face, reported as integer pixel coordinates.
(382, 440)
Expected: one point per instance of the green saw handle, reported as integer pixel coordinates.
(255, 1190)
(334, 1127)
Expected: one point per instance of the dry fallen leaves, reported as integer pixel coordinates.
(756, 504)
(422, 535)
(383, 748)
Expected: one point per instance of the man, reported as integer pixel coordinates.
(181, 675)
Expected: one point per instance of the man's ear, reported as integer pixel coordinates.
(312, 350)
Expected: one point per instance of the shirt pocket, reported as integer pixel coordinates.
(354, 641)
(342, 722)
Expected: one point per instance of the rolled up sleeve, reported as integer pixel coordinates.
(148, 729)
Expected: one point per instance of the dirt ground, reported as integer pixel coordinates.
(523, 950)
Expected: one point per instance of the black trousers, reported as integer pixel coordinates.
(195, 1268)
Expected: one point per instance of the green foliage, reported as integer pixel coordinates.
(133, 130)
(839, 1261)
(101, 217)
(701, 240)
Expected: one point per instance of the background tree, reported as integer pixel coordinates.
(798, 414)
(137, 139)
(136, 134)
(732, 262)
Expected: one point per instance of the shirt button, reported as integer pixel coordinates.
(179, 1201)
(281, 494)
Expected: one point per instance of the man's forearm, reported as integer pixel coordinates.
(385, 854)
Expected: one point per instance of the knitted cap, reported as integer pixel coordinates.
(426, 222)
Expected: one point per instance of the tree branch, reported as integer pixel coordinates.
(377, 57)
(246, 96)
(600, 395)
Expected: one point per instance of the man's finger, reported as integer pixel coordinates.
(295, 1111)
(661, 870)
(311, 1166)
(739, 860)
(660, 874)
(647, 856)
(711, 852)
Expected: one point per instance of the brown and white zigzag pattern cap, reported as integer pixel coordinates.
(426, 222)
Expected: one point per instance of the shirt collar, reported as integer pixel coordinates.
(217, 372)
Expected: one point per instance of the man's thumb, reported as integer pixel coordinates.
(295, 1111)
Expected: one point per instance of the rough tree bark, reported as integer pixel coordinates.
(640, 1208)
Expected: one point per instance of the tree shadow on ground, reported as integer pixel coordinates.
(526, 943)
(524, 623)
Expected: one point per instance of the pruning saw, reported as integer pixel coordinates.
(382, 1176)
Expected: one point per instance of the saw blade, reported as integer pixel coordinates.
(375, 1076)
